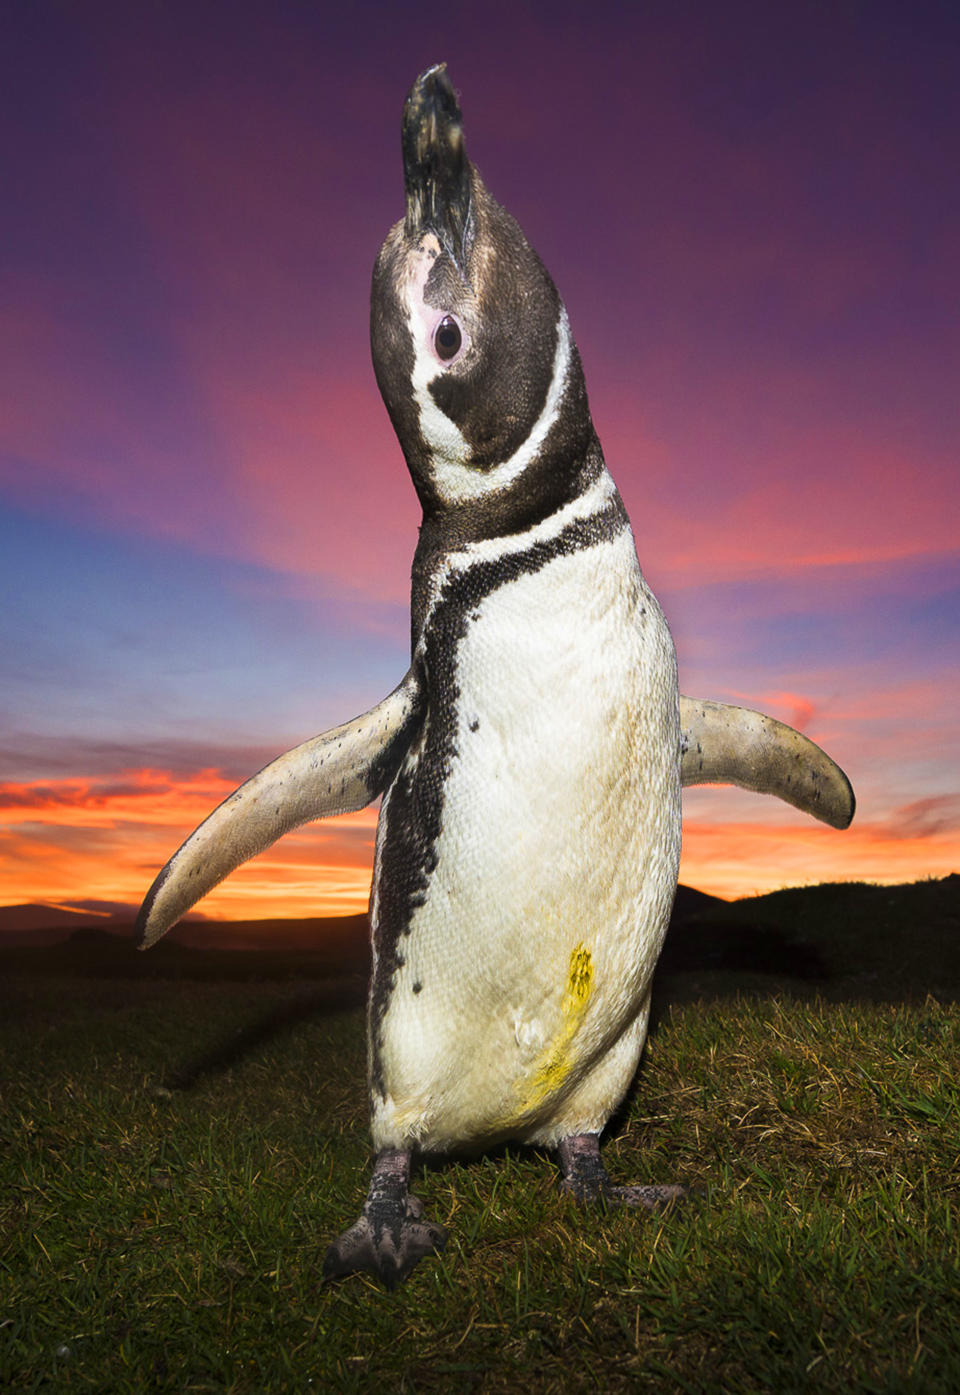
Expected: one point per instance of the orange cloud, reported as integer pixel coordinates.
(151, 795)
(64, 841)
(733, 856)
(71, 840)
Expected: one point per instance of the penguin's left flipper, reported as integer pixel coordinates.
(724, 745)
(336, 773)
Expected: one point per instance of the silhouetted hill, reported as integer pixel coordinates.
(34, 924)
(848, 940)
(31, 926)
(325, 948)
(22, 924)
(690, 902)
(839, 940)
(308, 934)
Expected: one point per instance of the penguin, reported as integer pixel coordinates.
(531, 761)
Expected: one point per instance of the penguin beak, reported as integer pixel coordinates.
(436, 171)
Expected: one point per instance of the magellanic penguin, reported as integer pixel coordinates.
(531, 760)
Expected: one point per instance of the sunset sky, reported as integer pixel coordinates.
(752, 212)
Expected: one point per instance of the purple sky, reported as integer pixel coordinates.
(206, 526)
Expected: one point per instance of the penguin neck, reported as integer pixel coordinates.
(548, 487)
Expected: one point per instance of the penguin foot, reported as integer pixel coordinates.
(585, 1178)
(390, 1237)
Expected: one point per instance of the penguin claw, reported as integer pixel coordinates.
(585, 1179)
(387, 1252)
(390, 1237)
(649, 1198)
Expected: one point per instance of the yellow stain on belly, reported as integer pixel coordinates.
(556, 1061)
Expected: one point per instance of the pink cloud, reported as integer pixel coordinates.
(63, 841)
(931, 818)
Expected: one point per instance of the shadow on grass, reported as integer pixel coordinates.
(232, 1047)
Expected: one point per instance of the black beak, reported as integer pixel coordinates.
(436, 171)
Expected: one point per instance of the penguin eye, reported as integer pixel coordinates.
(447, 339)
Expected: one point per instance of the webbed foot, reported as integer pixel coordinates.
(585, 1178)
(390, 1237)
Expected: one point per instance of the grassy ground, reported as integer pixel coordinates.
(176, 1155)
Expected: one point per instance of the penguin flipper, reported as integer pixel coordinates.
(724, 745)
(335, 773)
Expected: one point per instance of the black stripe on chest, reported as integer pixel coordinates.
(413, 808)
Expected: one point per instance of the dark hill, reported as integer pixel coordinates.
(840, 940)
(848, 940)
(34, 924)
(325, 948)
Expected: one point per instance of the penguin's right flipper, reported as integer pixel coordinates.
(724, 745)
(336, 773)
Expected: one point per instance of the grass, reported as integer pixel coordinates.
(167, 1237)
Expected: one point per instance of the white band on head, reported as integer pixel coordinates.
(443, 437)
(457, 481)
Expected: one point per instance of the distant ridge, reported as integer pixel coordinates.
(849, 940)
(332, 949)
(838, 940)
(38, 924)
(24, 923)
(32, 917)
(689, 901)
(304, 933)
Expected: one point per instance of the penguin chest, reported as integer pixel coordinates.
(541, 811)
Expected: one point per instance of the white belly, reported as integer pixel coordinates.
(527, 969)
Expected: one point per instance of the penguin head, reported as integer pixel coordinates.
(471, 346)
